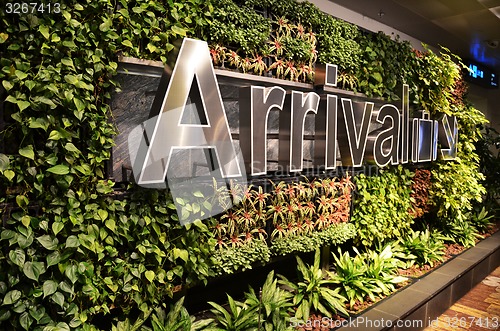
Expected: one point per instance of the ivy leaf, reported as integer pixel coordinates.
(25, 320)
(27, 152)
(17, 256)
(3, 37)
(152, 48)
(49, 288)
(79, 104)
(7, 85)
(39, 123)
(44, 30)
(71, 148)
(72, 241)
(9, 174)
(150, 275)
(53, 258)
(48, 242)
(21, 74)
(22, 104)
(33, 270)
(182, 253)
(58, 298)
(127, 43)
(68, 62)
(57, 227)
(110, 224)
(11, 297)
(71, 79)
(177, 30)
(59, 169)
(4, 162)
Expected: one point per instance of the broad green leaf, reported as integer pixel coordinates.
(127, 43)
(72, 241)
(7, 85)
(17, 256)
(57, 227)
(110, 224)
(26, 220)
(30, 84)
(150, 275)
(71, 273)
(53, 258)
(9, 174)
(58, 298)
(48, 242)
(33, 270)
(59, 169)
(44, 30)
(11, 297)
(39, 123)
(21, 74)
(103, 214)
(23, 104)
(3, 37)
(27, 152)
(55, 135)
(22, 201)
(71, 79)
(67, 62)
(25, 320)
(49, 288)
(4, 162)
(182, 253)
(177, 30)
(152, 48)
(79, 104)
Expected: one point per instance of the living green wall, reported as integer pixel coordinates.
(73, 244)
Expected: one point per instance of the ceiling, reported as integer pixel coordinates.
(469, 28)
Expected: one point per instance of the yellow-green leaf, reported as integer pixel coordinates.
(59, 169)
(44, 30)
(27, 152)
(150, 275)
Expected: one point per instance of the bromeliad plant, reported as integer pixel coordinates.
(313, 291)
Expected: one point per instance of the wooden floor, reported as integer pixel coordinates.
(478, 310)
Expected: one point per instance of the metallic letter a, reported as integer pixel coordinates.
(193, 77)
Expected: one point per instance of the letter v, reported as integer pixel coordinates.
(353, 134)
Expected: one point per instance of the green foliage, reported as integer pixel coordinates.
(385, 64)
(177, 319)
(487, 149)
(427, 246)
(382, 205)
(313, 292)
(333, 235)
(239, 28)
(231, 259)
(273, 305)
(481, 220)
(152, 30)
(238, 317)
(462, 232)
(366, 275)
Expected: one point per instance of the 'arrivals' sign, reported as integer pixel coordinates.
(362, 132)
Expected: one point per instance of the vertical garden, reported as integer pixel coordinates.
(77, 248)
